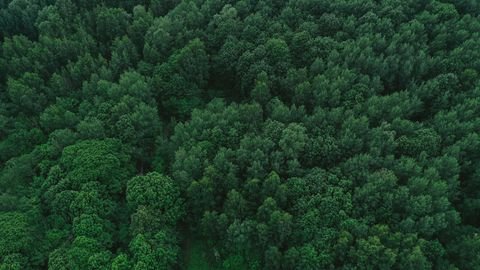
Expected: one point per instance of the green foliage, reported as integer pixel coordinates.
(101, 161)
(156, 192)
(180, 80)
(16, 235)
(307, 134)
(160, 252)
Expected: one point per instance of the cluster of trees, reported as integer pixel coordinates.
(302, 134)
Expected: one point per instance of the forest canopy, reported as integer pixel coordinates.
(251, 134)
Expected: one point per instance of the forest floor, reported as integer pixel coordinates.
(195, 255)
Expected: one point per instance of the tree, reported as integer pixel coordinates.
(15, 233)
(293, 140)
(124, 55)
(110, 23)
(97, 160)
(142, 20)
(261, 93)
(180, 81)
(160, 252)
(27, 94)
(121, 262)
(158, 193)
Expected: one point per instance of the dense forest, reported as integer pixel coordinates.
(251, 134)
